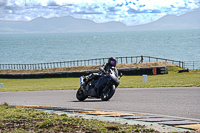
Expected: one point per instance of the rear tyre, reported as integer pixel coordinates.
(80, 95)
(106, 95)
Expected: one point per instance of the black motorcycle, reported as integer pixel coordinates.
(106, 82)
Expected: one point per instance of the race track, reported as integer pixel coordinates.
(176, 101)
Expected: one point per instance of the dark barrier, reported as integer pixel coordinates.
(144, 70)
(124, 71)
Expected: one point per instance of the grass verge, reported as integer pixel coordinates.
(18, 120)
(173, 79)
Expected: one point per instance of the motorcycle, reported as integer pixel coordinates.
(107, 83)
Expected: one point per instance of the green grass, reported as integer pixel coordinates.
(39, 84)
(173, 79)
(20, 120)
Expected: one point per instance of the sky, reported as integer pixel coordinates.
(129, 12)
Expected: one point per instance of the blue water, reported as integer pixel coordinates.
(183, 45)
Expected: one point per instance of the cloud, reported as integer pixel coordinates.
(130, 12)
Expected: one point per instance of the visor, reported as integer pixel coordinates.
(113, 63)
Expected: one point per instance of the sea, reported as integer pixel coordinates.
(180, 45)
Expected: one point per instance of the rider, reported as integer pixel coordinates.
(105, 68)
(110, 65)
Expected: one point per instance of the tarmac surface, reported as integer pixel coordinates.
(172, 101)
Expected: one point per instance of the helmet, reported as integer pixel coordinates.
(112, 61)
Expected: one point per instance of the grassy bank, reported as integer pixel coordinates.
(18, 120)
(173, 79)
(82, 68)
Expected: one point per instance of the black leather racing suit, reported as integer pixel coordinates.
(105, 68)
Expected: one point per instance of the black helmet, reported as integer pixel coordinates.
(112, 61)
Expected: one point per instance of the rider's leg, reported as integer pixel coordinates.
(88, 79)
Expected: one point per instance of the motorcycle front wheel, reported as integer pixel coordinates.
(80, 95)
(106, 95)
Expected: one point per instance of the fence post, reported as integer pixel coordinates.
(182, 64)
(193, 65)
(131, 59)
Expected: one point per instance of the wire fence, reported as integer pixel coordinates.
(192, 65)
(97, 61)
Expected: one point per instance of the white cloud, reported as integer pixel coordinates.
(130, 12)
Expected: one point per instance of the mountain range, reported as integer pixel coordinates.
(190, 20)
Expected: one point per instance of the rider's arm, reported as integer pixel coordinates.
(102, 68)
(116, 71)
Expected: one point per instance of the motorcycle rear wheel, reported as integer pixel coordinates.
(106, 95)
(80, 95)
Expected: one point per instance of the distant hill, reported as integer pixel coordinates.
(67, 24)
(190, 20)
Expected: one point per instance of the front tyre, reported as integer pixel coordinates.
(106, 95)
(80, 95)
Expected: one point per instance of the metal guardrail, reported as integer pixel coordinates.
(97, 61)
